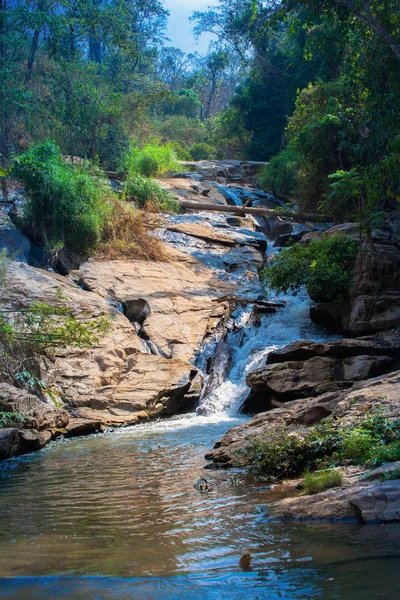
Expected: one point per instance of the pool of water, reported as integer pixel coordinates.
(117, 516)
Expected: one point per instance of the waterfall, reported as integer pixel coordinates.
(289, 324)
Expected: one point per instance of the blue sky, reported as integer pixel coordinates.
(179, 27)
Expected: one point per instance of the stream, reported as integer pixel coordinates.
(116, 515)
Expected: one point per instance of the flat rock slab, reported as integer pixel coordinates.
(368, 503)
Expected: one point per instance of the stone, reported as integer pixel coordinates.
(346, 405)
(283, 382)
(9, 442)
(38, 414)
(367, 503)
(18, 246)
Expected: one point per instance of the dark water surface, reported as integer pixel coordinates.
(117, 516)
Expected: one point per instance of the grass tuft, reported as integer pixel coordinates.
(126, 237)
(320, 481)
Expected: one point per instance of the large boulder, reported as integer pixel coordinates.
(305, 369)
(371, 503)
(374, 300)
(347, 405)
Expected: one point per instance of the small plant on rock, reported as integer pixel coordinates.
(320, 481)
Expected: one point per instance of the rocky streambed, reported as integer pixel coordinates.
(194, 331)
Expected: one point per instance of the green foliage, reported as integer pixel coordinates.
(320, 481)
(43, 326)
(202, 151)
(66, 204)
(325, 267)
(279, 175)
(385, 454)
(371, 440)
(8, 419)
(183, 130)
(151, 160)
(148, 194)
(184, 103)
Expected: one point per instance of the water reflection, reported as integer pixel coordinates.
(117, 516)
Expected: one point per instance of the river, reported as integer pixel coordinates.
(117, 515)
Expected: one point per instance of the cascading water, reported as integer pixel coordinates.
(289, 324)
(117, 516)
(246, 343)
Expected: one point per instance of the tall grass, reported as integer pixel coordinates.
(148, 194)
(151, 161)
(125, 236)
(66, 204)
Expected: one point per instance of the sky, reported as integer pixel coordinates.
(180, 28)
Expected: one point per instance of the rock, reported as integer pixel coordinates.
(9, 442)
(375, 296)
(283, 382)
(329, 315)
(38, 414)
(374, 299)
(203, 233)
(18, 247)
(382, 344)
(275, 226)
(347, 405)
(80, 427)
(368, 503)
(312, 236)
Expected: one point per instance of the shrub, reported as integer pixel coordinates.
(390, 453)
(320, 481)
(151, 160)
(183, 130)
(202, 151)
(324, 266)
(181, 151)
(371, 440)
(125, 236)
(279, 175)
(147, 193)
(66, 203)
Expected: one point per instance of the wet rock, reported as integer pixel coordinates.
(80, 427)
(9, 442)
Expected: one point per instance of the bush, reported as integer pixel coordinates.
(125, 236)
(183, 130)
(151, 160)
(317, 482)
(279, 176)
(390, 453)
(202, 151)
(181, 152)
(148, 194)
(66, 203)
(324, 266)
(371, 440)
